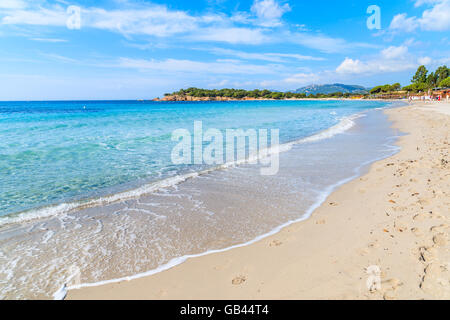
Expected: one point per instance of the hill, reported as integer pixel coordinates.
(332, 88)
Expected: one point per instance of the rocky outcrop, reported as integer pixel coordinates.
(175, 98)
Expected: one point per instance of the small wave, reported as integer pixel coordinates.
(345, 124)
(61, 293)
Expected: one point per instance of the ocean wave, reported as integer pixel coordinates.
(61, 293)
(344, 125)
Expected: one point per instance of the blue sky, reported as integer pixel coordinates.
(136, 49)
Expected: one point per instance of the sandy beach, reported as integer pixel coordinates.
(391, 225)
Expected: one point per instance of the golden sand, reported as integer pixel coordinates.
(382, 236)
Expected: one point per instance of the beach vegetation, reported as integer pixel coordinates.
(253, 94)
(441, 74)
(421, 75)
(445, 83)
(432, 80)
(422, 81)
(385, 88)
(417, 87)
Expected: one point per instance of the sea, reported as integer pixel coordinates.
(90, 194)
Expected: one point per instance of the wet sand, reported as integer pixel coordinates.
(382, 236)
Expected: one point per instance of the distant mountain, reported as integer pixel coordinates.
(331, 88)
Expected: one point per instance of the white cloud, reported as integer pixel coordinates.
(323, 42)
(436, 18)
(55, 16)
(143, 18)
(58, 57)
(401, 22)
(189, 66)
(155, 21)
(299, 79)
(425, 60)
(394, 52)
(53, 40)
(12, 4)
(149, 19)
(302, 78)
(352, 66)
(272, 57)
(269, 12)
(233, 35)
(392, 59)
(419, 3)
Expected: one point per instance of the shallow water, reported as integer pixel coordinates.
(51, 152)
(213, 211)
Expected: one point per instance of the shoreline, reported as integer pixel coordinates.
(236, 273)
(339, 128)
(207, 99)
(51, 210)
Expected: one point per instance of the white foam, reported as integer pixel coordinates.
(62, 292)
(48, 236)
(345, 124)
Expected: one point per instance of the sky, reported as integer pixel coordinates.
(139, 49)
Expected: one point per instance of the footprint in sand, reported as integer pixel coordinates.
(440, 240)
(392, 283)
(389, 288)
(400, 226)
(417, 232)
(423, 202)
(275, 243)
(441, 228)
(427, 254)
(421, 216)
(389, 296)
(373, 245)
(431, 278)
(333, 204)
(239, 280)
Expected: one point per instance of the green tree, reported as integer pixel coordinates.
(375, 90)
(420, 76)
(442, 73)
(266, 93)
(386, 88)
(396, 87)
(416, 87)
(432, 80)
(445, 83)
(277, 95)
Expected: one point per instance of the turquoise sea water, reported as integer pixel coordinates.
(54, 152)
(89, 195)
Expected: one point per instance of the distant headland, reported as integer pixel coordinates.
(421, 83)
(196, 94)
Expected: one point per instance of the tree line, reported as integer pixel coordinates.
(255, 94)
(421, 82)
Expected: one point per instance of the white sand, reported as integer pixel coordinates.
(391, 224)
